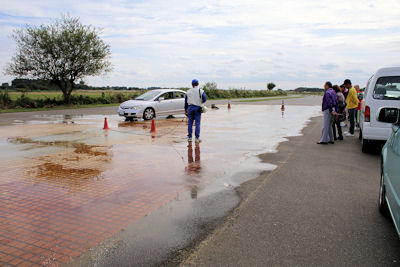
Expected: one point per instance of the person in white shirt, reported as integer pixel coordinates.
(194, 99)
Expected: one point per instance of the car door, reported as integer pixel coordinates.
(179, 102)
(392, 174)
(166, 105)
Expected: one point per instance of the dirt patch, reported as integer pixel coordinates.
(79, 148)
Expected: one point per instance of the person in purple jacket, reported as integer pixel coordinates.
(329, 108)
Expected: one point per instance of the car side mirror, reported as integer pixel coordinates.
(161, 98)
(388, 115)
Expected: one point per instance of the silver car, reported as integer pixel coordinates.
(164, 102)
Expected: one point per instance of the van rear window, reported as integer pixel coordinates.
(387, 88)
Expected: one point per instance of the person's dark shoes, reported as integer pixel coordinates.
(335, 138)
(322, 143)
(331, 142)
(340, 138)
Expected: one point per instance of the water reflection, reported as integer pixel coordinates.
(194, 166)
(193, 169)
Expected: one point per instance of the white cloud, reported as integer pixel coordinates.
(235, 43)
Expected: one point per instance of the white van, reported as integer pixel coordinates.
(382, 90)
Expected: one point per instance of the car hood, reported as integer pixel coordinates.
(134, 103)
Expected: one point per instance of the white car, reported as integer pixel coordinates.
(382, 90)
(154, 103)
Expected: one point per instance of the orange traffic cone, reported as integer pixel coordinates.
(229, 105)
(105, 124)
(283, 106)
(153, 126)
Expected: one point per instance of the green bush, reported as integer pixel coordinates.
(213, 92)
(240, 93)
(25, 102)
(5, 100)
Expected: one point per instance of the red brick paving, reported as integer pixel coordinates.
(48, 220)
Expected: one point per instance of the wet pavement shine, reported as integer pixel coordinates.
(67, 186)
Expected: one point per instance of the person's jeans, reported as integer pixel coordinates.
(352, 117)
(358, 118)
(339, 130)
(194, 114)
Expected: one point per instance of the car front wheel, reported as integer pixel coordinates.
(148, 114)
(383, 206)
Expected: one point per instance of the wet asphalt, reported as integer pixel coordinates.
(10, 118)
(318, 208)
(71, 144)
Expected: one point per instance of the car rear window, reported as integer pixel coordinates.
(387, 88)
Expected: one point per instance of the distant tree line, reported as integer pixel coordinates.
(212, 92)
(48, 85)
(24, 100)
(308, 89)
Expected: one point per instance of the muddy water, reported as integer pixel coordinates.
(120, 175)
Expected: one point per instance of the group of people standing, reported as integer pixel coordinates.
(338, 104)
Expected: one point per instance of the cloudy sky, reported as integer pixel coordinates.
(234, 43)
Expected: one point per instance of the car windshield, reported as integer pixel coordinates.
(387, 88)
(148, 95)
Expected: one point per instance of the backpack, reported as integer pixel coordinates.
(341, 102)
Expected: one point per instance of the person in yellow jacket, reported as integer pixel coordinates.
(352, 104)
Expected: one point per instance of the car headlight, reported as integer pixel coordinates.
(134, 107)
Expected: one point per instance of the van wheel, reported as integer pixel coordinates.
(365, 145)
(383, 206)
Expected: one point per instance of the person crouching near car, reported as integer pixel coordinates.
(194, 100)
(329, 107)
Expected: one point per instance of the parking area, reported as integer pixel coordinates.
(67, 185)
(319, 207)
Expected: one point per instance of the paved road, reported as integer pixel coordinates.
(318, 208)
(312, 100)
(9, 118)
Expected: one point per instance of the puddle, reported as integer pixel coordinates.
(119, 176)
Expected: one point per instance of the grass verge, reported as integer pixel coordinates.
(13, 110)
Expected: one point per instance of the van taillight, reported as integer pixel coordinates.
(367, 114)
